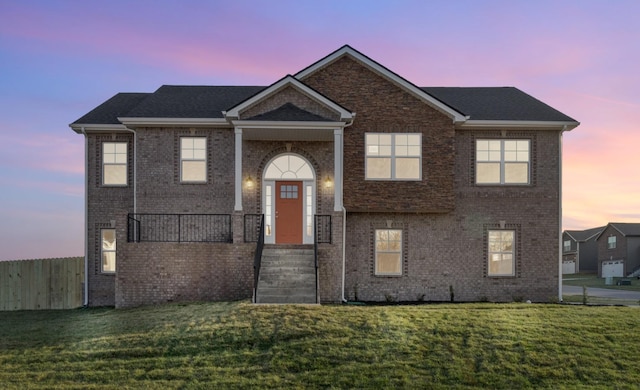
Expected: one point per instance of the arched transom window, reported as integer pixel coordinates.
(288, 166)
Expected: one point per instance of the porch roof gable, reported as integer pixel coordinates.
(288, 81)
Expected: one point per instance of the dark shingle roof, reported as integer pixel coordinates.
(496, 103)
(584, 235)
(628, 229)
(288, 112)
(180, 101)
(185, 101)
(108, 112)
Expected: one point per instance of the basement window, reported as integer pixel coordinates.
(388, 252)
(501, 253)
(108, 252)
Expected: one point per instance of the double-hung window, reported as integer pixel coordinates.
(611, 242)
(114, 163)
(567, 245)
(501, 253)
(393, 156)
(193, 159)
(502, 161)
(388, 252)
(108, 250)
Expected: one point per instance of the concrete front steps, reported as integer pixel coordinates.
(287, 275)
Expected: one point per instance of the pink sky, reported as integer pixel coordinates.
(59, 59)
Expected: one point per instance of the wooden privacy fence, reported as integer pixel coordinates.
(41, 284)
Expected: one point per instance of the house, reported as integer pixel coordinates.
(619, 250)
(344, 181)
(580, 251)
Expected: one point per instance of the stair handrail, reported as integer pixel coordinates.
(315, 253)
(257, 259)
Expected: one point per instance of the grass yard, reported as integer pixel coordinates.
(239, 345)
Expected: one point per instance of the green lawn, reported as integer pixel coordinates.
(239, 345)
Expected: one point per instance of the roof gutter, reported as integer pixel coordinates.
(107, 128)
(129, 122)
(538, 125)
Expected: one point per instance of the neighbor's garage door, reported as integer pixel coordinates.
(613, 268)
(569, 267)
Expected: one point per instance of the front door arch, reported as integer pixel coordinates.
(289, 200)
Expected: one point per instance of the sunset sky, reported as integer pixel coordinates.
(60, 59)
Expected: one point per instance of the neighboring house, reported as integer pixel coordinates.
(580, 250)
(407, 193)
(619, 250)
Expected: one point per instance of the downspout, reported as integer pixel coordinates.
(344, 217)
(86, 217)
(344, 249)
(135, 170)
(560, 214)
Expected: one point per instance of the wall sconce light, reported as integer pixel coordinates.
(328, 183)
(249, 182)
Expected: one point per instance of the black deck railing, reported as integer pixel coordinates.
(257, 258)
(179, 228)
(253, 227)
(315, 253)
(322, 230)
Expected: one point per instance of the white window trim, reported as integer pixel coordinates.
(376, 251)
(103, 251)
(126, 165)
(513, 254)
(503, 162)
(182, 159)
(269, 181)
(567, 248)
(392, 157)
(612, 244)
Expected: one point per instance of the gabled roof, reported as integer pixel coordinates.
(487, 107)
(584, 235)
(626, 229)
(289, 81)
(289, 112)
(347, 50)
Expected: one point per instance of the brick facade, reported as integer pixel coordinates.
(445, 217)
(106, 206)
(354, 86)
(448, 252)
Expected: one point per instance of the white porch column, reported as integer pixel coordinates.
(238, 170)
(338, 155)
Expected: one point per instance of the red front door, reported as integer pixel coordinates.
(288, 212)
